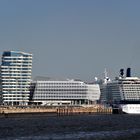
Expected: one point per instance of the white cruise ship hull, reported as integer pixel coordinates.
(130, 108)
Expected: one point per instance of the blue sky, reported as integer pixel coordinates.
(73, 38)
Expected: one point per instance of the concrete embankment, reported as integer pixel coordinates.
(50, 111)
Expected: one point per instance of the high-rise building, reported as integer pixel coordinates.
(16, 69)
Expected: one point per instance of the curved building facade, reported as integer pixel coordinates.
(16, 69)
(57, 92)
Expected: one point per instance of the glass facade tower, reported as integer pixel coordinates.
(16, 69)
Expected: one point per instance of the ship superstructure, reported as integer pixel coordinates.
(122, 89)
(123, 92)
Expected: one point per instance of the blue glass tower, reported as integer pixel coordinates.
(16, 69)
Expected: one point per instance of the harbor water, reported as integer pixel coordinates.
(74, 127)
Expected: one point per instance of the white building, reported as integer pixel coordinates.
(16, 69)
(59, 92)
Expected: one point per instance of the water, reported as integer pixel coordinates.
(86, 127)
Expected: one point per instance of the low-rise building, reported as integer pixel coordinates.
(59, 92)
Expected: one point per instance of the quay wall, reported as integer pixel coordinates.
(51, 111)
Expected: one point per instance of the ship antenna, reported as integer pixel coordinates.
(105, 74)
(106, 78)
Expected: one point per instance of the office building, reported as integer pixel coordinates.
(59, 92)
(16, 69)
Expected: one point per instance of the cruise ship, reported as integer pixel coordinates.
(123, 92)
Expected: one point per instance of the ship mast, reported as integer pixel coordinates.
(106, 78)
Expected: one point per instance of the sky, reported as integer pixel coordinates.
(75, 39)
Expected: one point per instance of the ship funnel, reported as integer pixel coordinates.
(128, 72)
(121, 72)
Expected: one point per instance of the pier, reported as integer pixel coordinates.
(83, 110)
